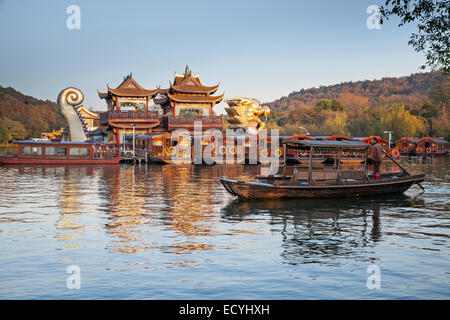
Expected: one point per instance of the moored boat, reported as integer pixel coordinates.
(60, 152)
(335, 181)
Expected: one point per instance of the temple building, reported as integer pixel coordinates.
(128, 108)
(187, 100)
(160, 110)
(187, 96)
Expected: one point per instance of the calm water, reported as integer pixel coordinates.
(172, 232)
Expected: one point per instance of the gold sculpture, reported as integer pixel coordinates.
(245, 114)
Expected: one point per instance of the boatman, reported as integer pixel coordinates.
(376, 158)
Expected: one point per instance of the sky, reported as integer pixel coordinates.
(258, 49)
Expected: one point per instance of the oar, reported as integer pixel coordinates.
(404, 170)
(389, 156)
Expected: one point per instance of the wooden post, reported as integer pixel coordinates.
(311, 151)
(339, 164)
(365, 164)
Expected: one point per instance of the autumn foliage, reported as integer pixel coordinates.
(409, 106)
(23, 116)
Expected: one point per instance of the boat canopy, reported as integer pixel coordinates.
(327, 144)
(47, 142)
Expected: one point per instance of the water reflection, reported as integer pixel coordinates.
(77, 185)
(322, 230)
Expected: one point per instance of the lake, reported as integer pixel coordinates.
(173, 232)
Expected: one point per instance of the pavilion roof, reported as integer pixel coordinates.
(89, 114)
(129, 88)
(188, 83)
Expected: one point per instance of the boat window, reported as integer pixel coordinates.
(157, 143)
(79, 151)
(55, 151)
(427, 144)
(31, 151)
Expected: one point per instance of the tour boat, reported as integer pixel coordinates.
(323, 181)
(60, 152)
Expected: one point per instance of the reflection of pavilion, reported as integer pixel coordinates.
(171, 197)
(126, 198)
(190, 215)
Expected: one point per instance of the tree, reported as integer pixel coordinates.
(4, 134)
(398, 119)
(336, 124)
(16, 129)
(433, 23)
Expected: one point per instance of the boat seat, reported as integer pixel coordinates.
(324, 175)
(301, 175)
(352, 174)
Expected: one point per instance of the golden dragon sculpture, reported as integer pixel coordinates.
(244, 114)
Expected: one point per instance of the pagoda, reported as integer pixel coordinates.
(128, 111)
(188, 100)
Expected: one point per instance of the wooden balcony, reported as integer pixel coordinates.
(129, 116)
(181, 122)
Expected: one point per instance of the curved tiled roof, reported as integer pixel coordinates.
(129, 88)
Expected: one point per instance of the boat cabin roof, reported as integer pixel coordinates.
(327, 144)
(438, 140)
(56, 143)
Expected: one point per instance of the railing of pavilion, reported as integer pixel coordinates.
(178, 121)
(132, 115)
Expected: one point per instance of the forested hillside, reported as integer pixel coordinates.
(23, 116)
(416, 105)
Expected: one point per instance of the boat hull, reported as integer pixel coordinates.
(259, 190)
(18, 161)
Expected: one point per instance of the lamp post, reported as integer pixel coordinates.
(133, 125)
(390, 136)
(306, 130)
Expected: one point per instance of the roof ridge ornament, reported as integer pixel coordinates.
(187, 72)
(128, 77)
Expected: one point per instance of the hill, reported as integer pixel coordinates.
(23, 116)
(410, 106)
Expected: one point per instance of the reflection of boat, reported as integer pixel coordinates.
(64, 152)
(322, 182)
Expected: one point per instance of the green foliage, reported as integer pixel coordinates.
(4, 134)
(15, 129)
(329, 105)
(433, 24)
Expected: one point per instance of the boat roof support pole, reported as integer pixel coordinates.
(366, 151)
(311, 151)
(339, 164)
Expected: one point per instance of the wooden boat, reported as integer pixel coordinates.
(432, 147)
(293, 182)
(60, 152)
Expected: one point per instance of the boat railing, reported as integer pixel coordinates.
(110, 152)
